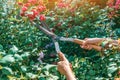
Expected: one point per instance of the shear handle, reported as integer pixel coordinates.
(80, 42)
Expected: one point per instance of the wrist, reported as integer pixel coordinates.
(67, 71)
(69, 74)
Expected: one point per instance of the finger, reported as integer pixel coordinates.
(62, 56)
(81, 46)
(86, 38)
(84, 43)
(86, 47)
(89, 47)
(70, 66)
(59, 63)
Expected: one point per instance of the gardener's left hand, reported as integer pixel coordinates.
(63, 64)
(64, 67)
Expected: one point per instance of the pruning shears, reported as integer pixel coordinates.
(45, 28)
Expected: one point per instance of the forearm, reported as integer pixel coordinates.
(70, 77)
(113, 41)
(99, 40)
(95, 40)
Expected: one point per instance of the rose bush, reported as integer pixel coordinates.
(27, 53)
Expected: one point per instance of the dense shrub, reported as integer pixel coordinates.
(27, 53)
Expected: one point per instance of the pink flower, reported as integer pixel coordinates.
(117, 4)
(32, 1)
(24, 8)
(110, 3)
(27, 4)
(31, 16)
(42, 17)
(62, 4)
(22, 14)
(41, 8)
(35, 12)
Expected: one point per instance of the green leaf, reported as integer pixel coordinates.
(7, 59)
(1, 47)
(2, 53)
(28, 41)
(7, 71)
(47, 67)
(91, 72)
(112, 64)
(104, 43)
(111, 69)
(13, 50)
(31, 75)
(53, 77)
(18, 57)
(42, 78)
(4, 78)
(25, 55)
(24, 68)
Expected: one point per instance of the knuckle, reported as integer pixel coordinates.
(59, 63)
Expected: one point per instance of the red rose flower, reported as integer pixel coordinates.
(32, 1)
(27, 4)
(24, 8)
(62, 5)
(31, 16)
(41, 8)
(42, 17)
(117, 4)
(22, 14)
(35, 12)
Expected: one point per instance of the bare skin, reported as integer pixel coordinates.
(64, 67)
(95, 41)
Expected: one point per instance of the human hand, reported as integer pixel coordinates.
(89, 42)
(64, 66)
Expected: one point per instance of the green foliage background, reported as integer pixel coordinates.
(21, 42)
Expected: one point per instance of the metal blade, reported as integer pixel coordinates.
(45, 25)
(66, 39)
(57, 48)
(47, 32)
